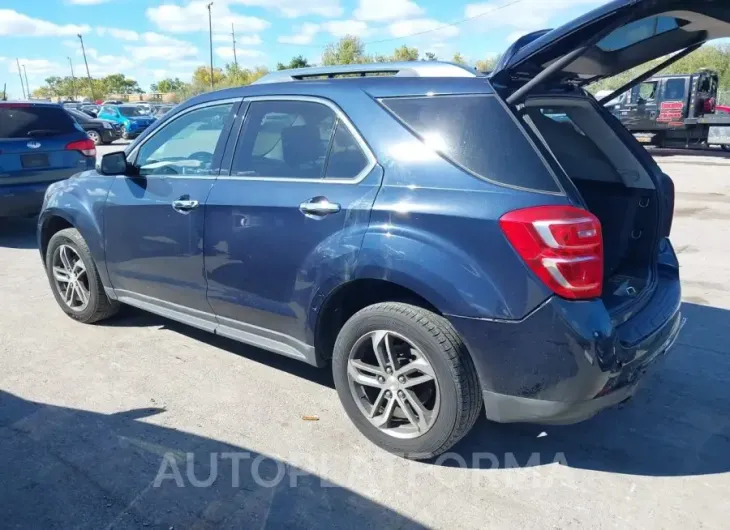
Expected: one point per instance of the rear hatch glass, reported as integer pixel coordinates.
(33, 140)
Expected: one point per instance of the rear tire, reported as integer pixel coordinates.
(74, 279)
(413, 337)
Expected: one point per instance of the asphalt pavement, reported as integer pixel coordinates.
(140, 422)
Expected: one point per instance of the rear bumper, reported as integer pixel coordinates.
(22, 200)
(567, 360)
(510, 409)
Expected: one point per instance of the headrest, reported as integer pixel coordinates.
(301, 144)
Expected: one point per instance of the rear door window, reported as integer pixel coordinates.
(24, 121)
(478, 134)
(284, 139)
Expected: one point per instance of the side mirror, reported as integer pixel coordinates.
(112, 164)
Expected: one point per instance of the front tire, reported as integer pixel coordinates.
(405, 379)
(125, 134)
(95, 137)
(74, 279)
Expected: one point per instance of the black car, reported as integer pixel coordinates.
(91, 110)
(100, 131)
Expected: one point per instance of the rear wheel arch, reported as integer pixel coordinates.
(349, 298)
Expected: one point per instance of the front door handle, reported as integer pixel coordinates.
(184, 205)
(319, 207)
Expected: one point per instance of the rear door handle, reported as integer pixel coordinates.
(319, 207)
(184, 205)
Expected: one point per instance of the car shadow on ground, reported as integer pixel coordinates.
(70, 468)
(677, 424)
(18, 232)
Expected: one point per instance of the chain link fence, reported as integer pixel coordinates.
(723, 97)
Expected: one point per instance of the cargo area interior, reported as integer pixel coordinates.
(612, 183)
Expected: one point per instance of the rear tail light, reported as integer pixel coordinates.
(86, 147)
(562, 245)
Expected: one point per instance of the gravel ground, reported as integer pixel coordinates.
(119, 425)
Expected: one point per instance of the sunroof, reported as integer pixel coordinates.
(639, 31)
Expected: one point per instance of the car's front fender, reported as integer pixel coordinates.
(79, 201)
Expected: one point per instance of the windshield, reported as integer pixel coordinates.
(80, 116)
(131, 111)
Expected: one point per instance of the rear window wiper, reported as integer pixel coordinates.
(43, 132)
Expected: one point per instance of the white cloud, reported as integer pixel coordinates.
(243, 40)
(161, 47)
(305, 34)
(227, 52)
(297, 8)
(435, 28)
(340, 28)
(524, 17)
(121, 34)
(194, 17)
(379, 10)
(14, 23)
(35, 66)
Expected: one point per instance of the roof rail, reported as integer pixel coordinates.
(400, 69)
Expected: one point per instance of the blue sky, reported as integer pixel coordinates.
(152, 39)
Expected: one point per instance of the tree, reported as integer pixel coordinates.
(296, 62)
(430, 56)
(488, 64)
(348, 50)
(167, 85)
(201, 77)
(236, 76)
(120, 84)
(404, 53)
(458, 59)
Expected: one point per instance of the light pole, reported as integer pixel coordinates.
(20, 75)
(27, 85)
(88, 74)
(73, 77)
(233, 35)
(210, 33)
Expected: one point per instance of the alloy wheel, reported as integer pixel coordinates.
(94, 137)
(393, 384)
(70, 278)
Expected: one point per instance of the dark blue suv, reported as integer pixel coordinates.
(443, 239)
(39, 144)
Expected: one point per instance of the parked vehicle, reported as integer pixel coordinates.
(101, 132)
(91, 110)
(678, 110)
(132, 121)
(39, 144)
(444, 240)
(161, 110)
(112, 102)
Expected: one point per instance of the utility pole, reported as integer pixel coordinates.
(27, 85)
(88, 74)
(73, 78)
(210, 28)
(20, 74)
(233, 35)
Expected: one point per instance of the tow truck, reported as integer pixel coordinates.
(678, 110)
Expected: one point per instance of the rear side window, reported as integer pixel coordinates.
(476, 133)
(674, 89)
(34, 121)
(346, 159)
